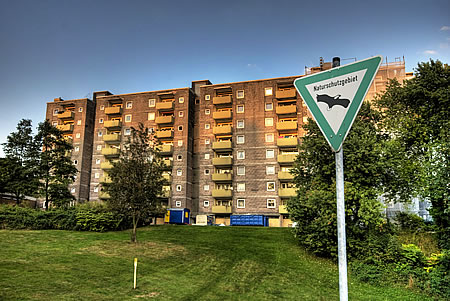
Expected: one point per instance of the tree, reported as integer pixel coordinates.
(56, 168)
(314, 208)
(136, 178)
(416, 114)
(20, 165)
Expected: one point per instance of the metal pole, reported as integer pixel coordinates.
(342, 244)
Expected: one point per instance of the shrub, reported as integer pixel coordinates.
(409, 222)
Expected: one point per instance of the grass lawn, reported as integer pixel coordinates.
(174, 263)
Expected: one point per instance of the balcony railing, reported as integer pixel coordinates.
(222, 115)
(164, 134)
(111, 138)
(286, 192)
(106, 165)
(222, 161)
(165, 106)
(222, 145)
(164, 119)
(290, 93)
(168, 163)
(282, 209)
(287, 142)
(165, 192)
(65, 127)
(222, 193)
(285, 176)
(110, 152)
(166, 149)
(292, 109)
(286, 125)
(168, 178)
(221, 209)
(286, 158)
(113, 110)
(105, 180)
(66, 115)
(104, 195)
(110, 124)
(222, 130)
(222, 177)
(219, 100)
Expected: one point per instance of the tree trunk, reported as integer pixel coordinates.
(133, 232)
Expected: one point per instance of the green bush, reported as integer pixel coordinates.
(409, 222)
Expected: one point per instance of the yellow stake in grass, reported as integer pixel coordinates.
(135, 269)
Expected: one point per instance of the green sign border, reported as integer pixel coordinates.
(336, 140)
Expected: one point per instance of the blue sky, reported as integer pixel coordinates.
(69, 49)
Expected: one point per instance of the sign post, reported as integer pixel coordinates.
(334, 98)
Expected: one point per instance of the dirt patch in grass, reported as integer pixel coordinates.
(121, 249)
(149, 295)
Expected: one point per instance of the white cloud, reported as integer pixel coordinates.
(430, 52)
(445, 28)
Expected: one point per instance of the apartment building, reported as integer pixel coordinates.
(228, 147)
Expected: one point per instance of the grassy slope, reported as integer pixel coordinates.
(175, 263)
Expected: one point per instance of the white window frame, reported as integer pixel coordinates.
(207, 97)
(55, 123)
(238, 109)
(102, 108)
(207, 141)
(269, 168)
(180, 142)
(238, 125)
(73, 190)
(270, 153)
(205, 203)
(207, 126)
(152, 102)
(271, 106)
(96, 189)
(269, 135)
(99, 147)
(177, 203)
(267, 186)
(80, 109)
(239, 96)
(268, 121)
(237, 204)
(240, 152)
(268, 91)
(151, 116)
(76, 148)
(179, 188)
(207, 111)
(238, 137)
(179, 157)
(180, 114)
(55, 112)
(128, 116)
(100, 133)
(242, 173)
(242, 188)
(97, 161)
(77, 135)
(181, 99)
(97, 175)
(179, 172)
(79, 122)
(274, 203)
(100, 120)
(127, 132)
(129, 105)
(207, 172)
(180, 128)
(206, 187)
(207, 156)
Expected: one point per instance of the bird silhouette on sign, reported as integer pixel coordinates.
(333, 101)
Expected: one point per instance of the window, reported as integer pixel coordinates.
(128, 118)
(97, 161)
(207, 97)
(269, 106)
(99, 147)
(102, 108)
(205, 203)
(180, 142)
(240, 203)
(241, 154)
(270, 153)
(269, 137)
(206, 187)
(270, 170)
(151, 116)
(181, 99)
(180, 114)
(206, 171)
(96, 189)
(207, 141)
(271, 203)
(179, 158)
(268, 91)
(268, 121)
(79, 122)
(179, 172)
(178, 204)
(77, 135)
(179, 187)
(240, 187)
(97, 175)
(151, 102)
(240, 94)
(241, 170)
(207, 126)
(127, 132)
(180, 128)
(55, 123)
(129, 104)
(270, 186)
(240, 109)
(80, 109)
(240, 124)
(75, 162)
(55, 112)
(240, 139)
(100, 133)
(100, 120)
(305, 119)
(207, 156)
(77, 148)
(72, 190)
(207, 111)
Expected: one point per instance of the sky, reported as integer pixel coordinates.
(69, 49)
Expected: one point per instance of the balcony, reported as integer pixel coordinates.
(225, 161)
(286, 158)
(167, 177)
(65, 127)
(165, 192)
(285, 176)
(287, 142)
(222, 115)
(66, 115)
(222, 146)
(222, 177)
(286, 192)
(103, 195)
(221, 209)
(286, 125)
(222, 130)
(289, 93)
(106, 165)
(164, 134)
(165, 106)
(111, 138)
(105, 180)
(220, 100)
(292, 109)
(113, 124)
(222, 193)
(168, 163)
(113, 110)
(110, 152)
(164, 120)
(282, 209)
(166, 149)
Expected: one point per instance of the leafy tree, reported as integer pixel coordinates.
(19, 169)
(56, 168)
(314, 208)
(417, 118)
(136, 179)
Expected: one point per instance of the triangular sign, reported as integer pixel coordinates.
(335, 96)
